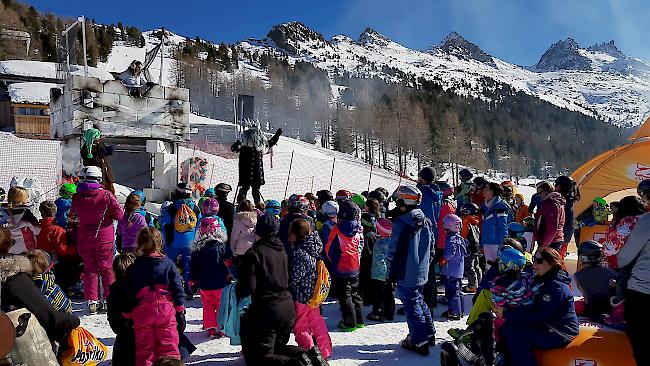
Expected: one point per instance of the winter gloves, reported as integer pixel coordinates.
(180, 321)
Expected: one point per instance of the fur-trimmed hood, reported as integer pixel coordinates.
(12, 264)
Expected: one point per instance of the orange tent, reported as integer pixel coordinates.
(615, 170)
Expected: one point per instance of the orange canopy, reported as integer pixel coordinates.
(615, 170)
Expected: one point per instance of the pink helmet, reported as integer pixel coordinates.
(211, 229)
(210, 207)
(384, 227)
(452, 223)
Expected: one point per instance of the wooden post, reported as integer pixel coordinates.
(332, 175)
(370, 179)
(286, 189)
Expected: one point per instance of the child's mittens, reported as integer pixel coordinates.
(180, 321)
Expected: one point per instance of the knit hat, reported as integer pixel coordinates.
(210, 207)
(428, 174)
(343, 195)
(349, 211)
(210, 229)
(267, 226)
(384, 228)
(368, 220)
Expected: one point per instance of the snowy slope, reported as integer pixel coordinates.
(613, 87)
(376, 344)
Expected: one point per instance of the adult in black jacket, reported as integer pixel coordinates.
(19, 292)
(267, 324)
(251, 166)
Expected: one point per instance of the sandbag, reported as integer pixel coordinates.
(32, 345)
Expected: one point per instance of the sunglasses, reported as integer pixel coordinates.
(539, 260)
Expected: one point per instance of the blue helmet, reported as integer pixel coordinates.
(209, 193)
(516, 230)
(140, 193)
(510, 259)
(273, 207)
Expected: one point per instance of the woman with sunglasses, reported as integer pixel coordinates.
(551, 321)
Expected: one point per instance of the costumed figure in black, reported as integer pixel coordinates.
(252, 146)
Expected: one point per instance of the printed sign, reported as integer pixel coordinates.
(642, 172)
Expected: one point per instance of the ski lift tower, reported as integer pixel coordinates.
(153, 123)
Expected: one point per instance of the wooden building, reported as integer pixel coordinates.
(26, 110)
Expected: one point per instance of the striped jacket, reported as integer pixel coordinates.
(46, 282)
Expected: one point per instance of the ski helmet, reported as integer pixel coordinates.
(469, 208)
(428, 174)
(384, 228)
(565, 184)
(368, 220)
(223, 188)
(590, 251)
(298, 202)
(508, 188)
(330, 208)
(510, 259)
(452, 223)
(343, 195)
(140, 193)
(465, 174)
(210, 206)
(480, 182)
(209, 193)
(67, 190)
(643, 188)
(91, 173)
(349, 211)
(324, 196)
(516, 230)
(445, 188)
(359, 200)
(273, 207)
(600, 201)
(408, 194)
(378, 195)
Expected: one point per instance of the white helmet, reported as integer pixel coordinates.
(330, 208)
(91, 172)
(410, 195)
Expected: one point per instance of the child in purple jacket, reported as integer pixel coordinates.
(131, 223)
(452, 265)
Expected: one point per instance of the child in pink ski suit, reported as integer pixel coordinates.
(306, 249)
(209, 269)
(154, 300)
(94, 209)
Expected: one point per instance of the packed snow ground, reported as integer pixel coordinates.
(376, 344)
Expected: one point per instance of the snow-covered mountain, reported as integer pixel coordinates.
(599, 81)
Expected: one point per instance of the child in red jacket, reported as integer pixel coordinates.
(52, 238)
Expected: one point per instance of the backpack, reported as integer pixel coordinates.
(322, 288)
(185, 219)
(473, 239)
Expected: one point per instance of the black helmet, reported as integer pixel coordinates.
(469, 208)
(224, 188)
(590, 251)
(378, 195)
(644, 187)
(565, 182)
(465, 174)
(324, 196)
(428, 174)
(480, 182)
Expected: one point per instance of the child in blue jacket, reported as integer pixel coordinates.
(452, 265)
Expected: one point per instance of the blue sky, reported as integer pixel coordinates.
(518, 31)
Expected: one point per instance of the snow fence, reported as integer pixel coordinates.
(30, 158)
(291, 172)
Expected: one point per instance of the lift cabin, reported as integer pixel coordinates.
(145, 129)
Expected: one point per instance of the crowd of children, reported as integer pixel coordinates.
(373, 247)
